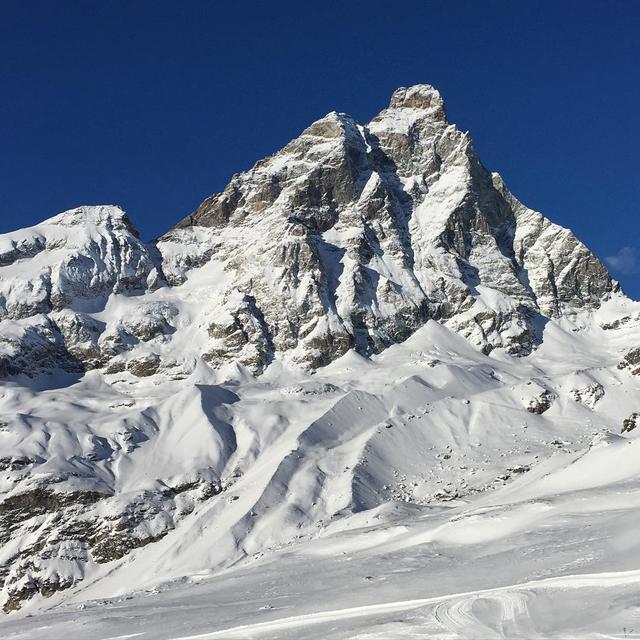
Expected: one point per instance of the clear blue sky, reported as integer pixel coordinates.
(154, 105)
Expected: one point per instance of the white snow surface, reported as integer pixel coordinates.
(406, 495)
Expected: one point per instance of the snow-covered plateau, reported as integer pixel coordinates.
(362, 393)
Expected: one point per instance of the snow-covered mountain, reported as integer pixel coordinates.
(363, 331)
(350, 237)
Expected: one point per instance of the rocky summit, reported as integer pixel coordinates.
(363, 330)
(350, 237)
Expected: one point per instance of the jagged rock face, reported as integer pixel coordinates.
(631, 361)
(53, 275)
(630, 423)
(79, 254)
(79, 528)
(353, 235)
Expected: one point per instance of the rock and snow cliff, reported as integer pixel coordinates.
(290, 353)
(352, 236)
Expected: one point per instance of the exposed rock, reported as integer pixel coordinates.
(630, 423)
(144, 366)
(631, 361)
(351, 236)
(81, 333)
(79, 527)
(589, 395)
(616, 324)
(541, 403)
(116, 366)
(362, 232)
(35, 344)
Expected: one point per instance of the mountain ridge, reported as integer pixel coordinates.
(365, 322)
(351, 236)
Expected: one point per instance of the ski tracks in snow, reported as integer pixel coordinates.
(508, 611)
(485, 614)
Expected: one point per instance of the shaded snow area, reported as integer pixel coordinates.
(413, 494)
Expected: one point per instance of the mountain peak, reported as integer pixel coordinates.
(103, 215)
(369, 230)
(419, 96)
(333, 125)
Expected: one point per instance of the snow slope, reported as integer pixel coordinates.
(551, 552)
(366, 494)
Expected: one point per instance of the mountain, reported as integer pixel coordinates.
(364, 330)
(350, 237)
(358, 234)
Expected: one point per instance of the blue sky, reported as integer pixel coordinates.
(154, 105)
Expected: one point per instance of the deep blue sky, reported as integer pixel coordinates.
(154, 105)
